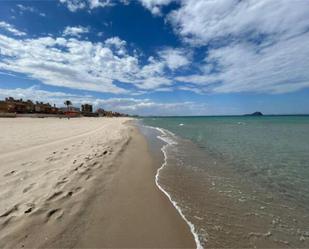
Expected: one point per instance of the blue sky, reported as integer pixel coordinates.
(158, 57)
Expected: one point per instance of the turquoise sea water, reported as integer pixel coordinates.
(242, 180)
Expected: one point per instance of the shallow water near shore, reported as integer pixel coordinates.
(241, 181)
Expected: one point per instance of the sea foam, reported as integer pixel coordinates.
(167, 138)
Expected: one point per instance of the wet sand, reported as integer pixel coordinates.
(82, 183)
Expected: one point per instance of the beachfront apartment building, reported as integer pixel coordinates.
(20, 106)
(11, 105)
(87, 108)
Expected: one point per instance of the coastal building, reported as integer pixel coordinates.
(4, 107)
(86, 108)
(87, 111)
(40, 107)
(70, 111)
(11, 105)
(102, 113)
(20, 106)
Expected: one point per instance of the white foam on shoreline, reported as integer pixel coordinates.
(170, 142)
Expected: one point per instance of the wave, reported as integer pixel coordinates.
(167, 138)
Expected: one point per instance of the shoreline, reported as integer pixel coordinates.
(190, 224)
(160, 135)
(120, 206)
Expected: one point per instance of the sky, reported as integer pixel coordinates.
(158, 57)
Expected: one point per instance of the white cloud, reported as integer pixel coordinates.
(75, 31)
(80, 64)
(117, 44)
(153, 83)
(115, 41)
(278, 68)
(175, 58)
(65, 62)
(35, 94)
(254, 46)
(10, 28)
(74, 5)
(23, 8)
(201, 21)
(282, 67)
(251, 46)
(154, 6)
(126, 105)
(99, 3)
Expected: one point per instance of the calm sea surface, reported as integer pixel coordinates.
(242, 181)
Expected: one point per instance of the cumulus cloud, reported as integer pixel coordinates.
(74, 5)
(66, 62)
(81, 64)
(10, 28)
(117, 44)
(115, 41)
(75, 31)
(154, 6)
(175, 58)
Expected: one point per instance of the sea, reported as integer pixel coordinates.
(238, 181)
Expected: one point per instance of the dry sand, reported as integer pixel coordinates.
(86, 182)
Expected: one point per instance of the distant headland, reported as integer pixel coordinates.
(255, 114)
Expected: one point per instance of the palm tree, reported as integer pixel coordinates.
(68, 103)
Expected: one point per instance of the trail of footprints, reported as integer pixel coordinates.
(81, 165)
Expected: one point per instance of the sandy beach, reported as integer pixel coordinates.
(86, 182)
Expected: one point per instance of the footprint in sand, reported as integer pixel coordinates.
(28, 163)
(73, 191)
(51, 159)
(88, 177)
(77, 189)
(7, 221)
(78, 167)
(25, 190)
(51, 213)
(30, 208)
(10, 173)
(61, 182)
(10, 211)
(94, 164)
(54, 195)
(103, 153)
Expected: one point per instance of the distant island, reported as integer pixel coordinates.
(255, 114)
